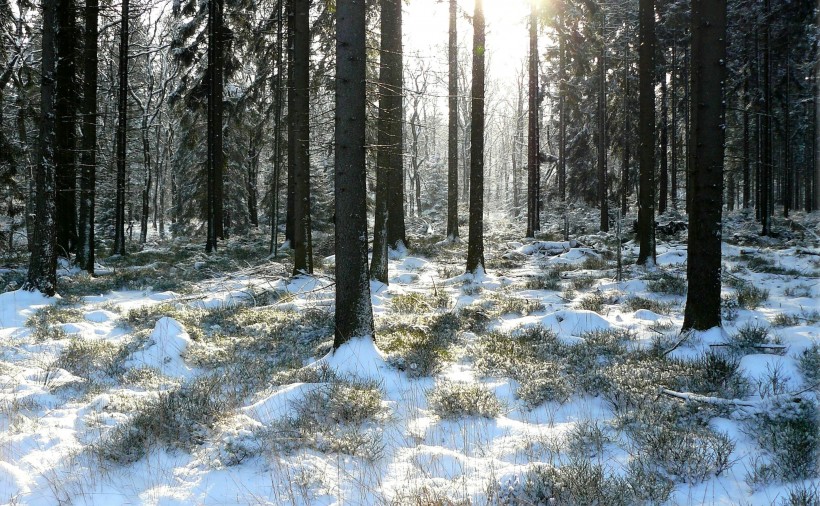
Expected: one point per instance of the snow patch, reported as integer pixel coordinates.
(164, 349)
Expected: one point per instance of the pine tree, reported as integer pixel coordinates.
(646, 76)
(121, 139)
(216, 157)
(533, 222)
(708, 118)
(389, 136)
(354, 313)
(475, 245)
(88, 148)
(42, 267)
(452, 126)
(300, 117)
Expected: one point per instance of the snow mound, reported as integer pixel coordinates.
(164, 349)
(13, 482)
(568, 322)
(359, 357)
(550, 248)
(16, 306)
(414, 264)
(645, 314)
(100, 316)
(672, 257)
(279, 404)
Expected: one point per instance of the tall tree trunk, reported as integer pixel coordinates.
(277, 130)
(122, 138)
(42, 267)
(673, 173)
(533, 224)
(475, 245)
(389, 127)
(664, 176)
(216, 160)
(562, 119)
(396, 233)
(646, 74)
(708, 74)
(146, 190)
(354, 313)
(452, 126)
(300, 116)
(66, 127)
(516, 152)
(291, 154)
(603, 185)
(88, 146)
(766, 127)
(788, 181)
(627, 135)
(747, 177)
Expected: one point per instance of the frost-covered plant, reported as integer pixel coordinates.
(418, 302)
(789, 432)
(592, 302)
(587, 439)
(578, 482)
(690, 454)
(417, 351)
(636, 303)
(718, 374)
(647, 482)
(177, 418)
(543, 382)
(500, 304)
(750, 296)
(748, 337)
(551, 280)
(336, 417)
(729, 307)
(667, 283)
(452, 400)
(582, 282)
(90, 358)
(810, 364)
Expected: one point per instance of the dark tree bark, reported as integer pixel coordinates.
(388, 154)
(533, 222)
(277, 132)
(66, 127)
(603, 185)
(452, 127)
(216, 157)
(562, 119)
(664, 175)
(291, 155)
(475, 245)
(788, 183)
(354, 313)
(396, 232)
(747, 177)
(646, 74)
(673, 172)
(88, 146)
(300, 117)
(708, 74)
(766, 128)
(122, 139)
(42, 267)
(627, 144)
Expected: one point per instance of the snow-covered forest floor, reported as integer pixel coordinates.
(178, 378)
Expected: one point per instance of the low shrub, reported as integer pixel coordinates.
(452, 400)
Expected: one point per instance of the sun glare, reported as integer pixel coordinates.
(426, 28)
